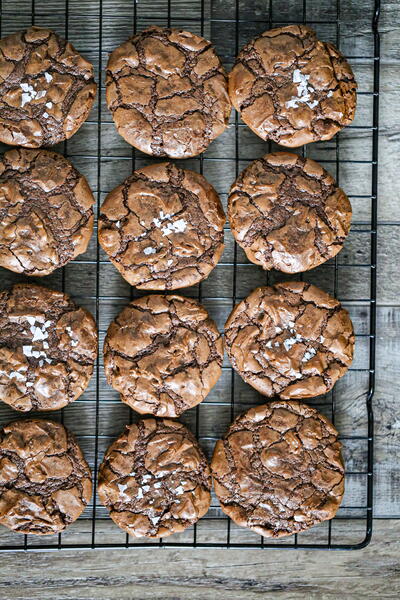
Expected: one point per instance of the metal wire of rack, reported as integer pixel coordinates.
(96, 27)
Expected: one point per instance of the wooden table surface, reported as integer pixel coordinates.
(220, 574)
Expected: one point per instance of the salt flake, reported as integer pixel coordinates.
(122, 487)
(167, 230)
(16, 375)
(303, 91)
(308, 355)
(38, 334)
(289, 342)
(28, 93)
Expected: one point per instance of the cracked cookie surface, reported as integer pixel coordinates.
(287, 213)
(291, 339)
(279, 470)
(163, 354)
(45, 481)
(46, 88)
(168, 93)
(46, 211)
(163, 227)
(291, 88)
(48, 346)
(155, 479)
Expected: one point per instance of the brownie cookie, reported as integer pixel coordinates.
(167, 92)
(45, 481)
(48, 346)
(46, 213)
(290, 339)
(291, 88)
(279, 470)
(163, 354)
(163, 228)
(287, 213)
(46, 88)
(155, 479)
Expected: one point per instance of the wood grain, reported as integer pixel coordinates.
(208, 574)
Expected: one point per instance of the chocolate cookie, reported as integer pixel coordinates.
(155, 479)
(163, 354)
(287, 213)
(163, 227)
(46, 88)
(279, 470)
(291, 88)
(48, 346)
(290, 339)
(167, 92)
(46, 213)
(45, 482)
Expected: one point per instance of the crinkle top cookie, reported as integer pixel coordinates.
(46, 211)
(46, 88)
(287, 213)
(291, 339)
(291, 88)
(167, 92)
(279, 470)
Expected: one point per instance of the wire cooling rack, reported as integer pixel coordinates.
(95, 27)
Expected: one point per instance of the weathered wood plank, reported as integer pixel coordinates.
(208, 574)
